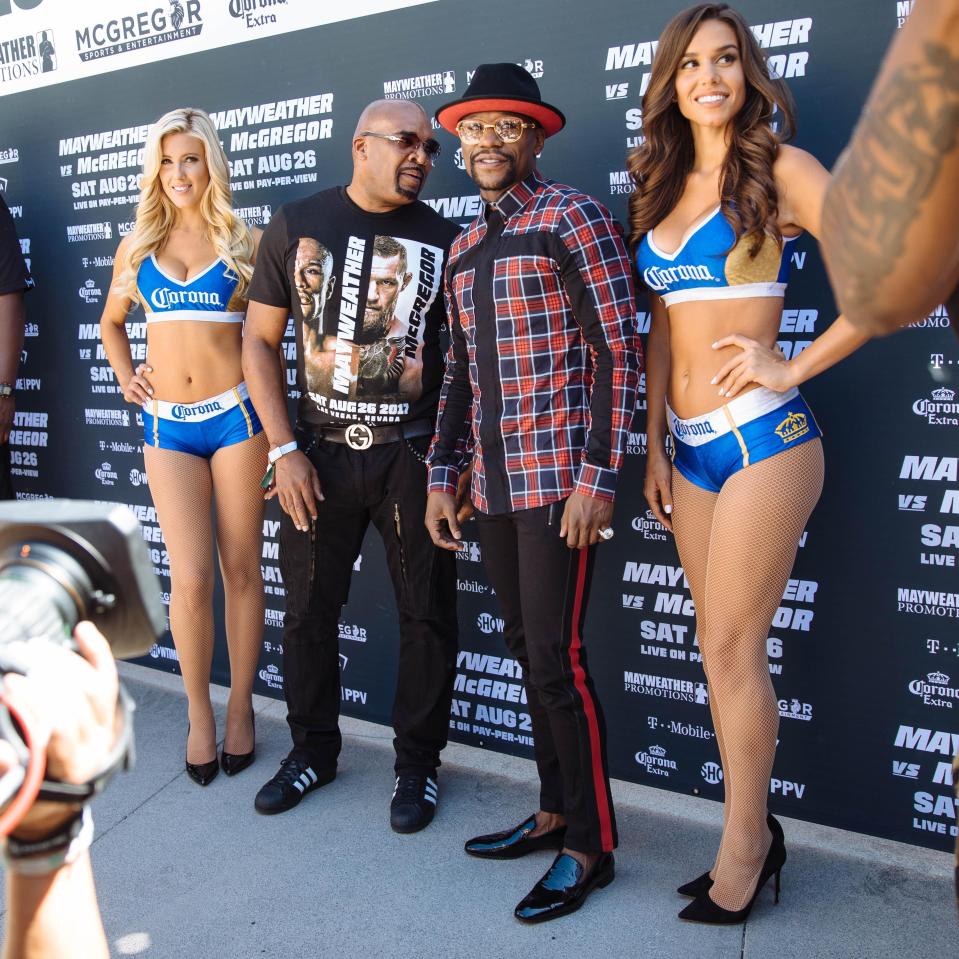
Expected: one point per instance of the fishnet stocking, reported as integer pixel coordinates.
(182, 487)
(750, 547)
(693, 509)
(239, 536)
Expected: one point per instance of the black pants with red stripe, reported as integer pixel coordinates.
(542, 587)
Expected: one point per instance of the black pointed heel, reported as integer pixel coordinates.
(201, 773)
(234, 763)
(704, 909)
(702, 884)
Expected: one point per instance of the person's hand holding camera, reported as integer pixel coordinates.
(70, 703)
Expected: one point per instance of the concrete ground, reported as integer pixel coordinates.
(189, 872)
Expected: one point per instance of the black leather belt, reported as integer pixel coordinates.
(359, 436)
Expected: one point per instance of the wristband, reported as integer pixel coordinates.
(279, 451)
(40, 857)
(6, 389)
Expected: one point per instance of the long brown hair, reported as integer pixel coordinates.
(659, 166)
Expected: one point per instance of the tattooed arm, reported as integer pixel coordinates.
(891, 216)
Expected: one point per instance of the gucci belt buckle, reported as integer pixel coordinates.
(359, 436)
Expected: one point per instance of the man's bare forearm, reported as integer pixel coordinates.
(265, 379)
(889, 216)
(11, 335)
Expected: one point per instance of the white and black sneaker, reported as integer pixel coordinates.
(414, 803)
(294, 779)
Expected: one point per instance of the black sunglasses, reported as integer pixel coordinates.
(409, 142)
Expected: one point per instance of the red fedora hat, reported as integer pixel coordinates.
(506, 87)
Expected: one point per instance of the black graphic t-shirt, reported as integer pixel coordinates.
(365, 291)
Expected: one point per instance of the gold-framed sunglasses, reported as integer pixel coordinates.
(507, 129)
(409, 142)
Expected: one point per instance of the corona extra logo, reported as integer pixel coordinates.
(792, 427)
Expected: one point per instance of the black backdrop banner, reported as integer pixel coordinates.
(864, 649)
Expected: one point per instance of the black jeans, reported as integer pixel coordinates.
(385, 484)
(543, 588)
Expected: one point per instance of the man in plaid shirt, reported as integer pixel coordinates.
(540, 384)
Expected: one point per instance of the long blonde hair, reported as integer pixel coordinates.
(156, 215)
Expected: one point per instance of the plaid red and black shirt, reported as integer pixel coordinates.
(544, 359)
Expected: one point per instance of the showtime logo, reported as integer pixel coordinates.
(486, 623)
(137, 477)
(712, 773)
(163, 652)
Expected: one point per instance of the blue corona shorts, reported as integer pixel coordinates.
(708, 449)
(201, 428)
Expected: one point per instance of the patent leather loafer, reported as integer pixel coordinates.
(565, 887)
(516, 842)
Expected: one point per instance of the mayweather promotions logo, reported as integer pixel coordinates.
(175, 20)
(425, 85)
(27, 56)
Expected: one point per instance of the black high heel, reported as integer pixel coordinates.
(234, 763)
(702, 884)
(201, 773)
(705, 909)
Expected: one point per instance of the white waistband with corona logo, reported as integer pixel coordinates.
(739, 291)
(737, 412)
(199, 411)
(196, 316)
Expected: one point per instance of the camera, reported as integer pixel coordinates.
(63, 561)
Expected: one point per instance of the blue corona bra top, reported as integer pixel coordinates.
(206, 297)
(701, 270)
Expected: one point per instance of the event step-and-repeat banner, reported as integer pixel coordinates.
(864, 649)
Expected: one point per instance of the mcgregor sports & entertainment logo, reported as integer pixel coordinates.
(176, 20)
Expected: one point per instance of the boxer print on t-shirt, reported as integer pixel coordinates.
(365, 293)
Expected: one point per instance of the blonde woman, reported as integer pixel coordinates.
(189, 262)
